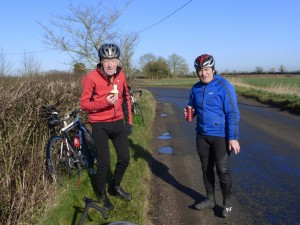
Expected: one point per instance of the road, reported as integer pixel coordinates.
(266, 174)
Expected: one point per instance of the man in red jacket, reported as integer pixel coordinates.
(106, 98)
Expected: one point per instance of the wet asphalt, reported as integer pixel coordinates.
(266, 174)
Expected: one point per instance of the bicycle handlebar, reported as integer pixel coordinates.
(90, 203)
(52, 115)
(73, 114)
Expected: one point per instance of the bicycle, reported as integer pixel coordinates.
(135, 107)
(73, 148)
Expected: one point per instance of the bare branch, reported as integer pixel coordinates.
(5, 66)
(30, 66)
(81, 33)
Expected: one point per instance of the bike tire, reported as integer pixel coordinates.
(59, 165)
(89, 147)
(137, 113)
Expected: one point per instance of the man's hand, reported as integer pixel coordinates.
(129, 128)
(184, 113)
(234, 146)
(112, 99)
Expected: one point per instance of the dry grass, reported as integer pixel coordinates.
(291, 89)
(23, 137)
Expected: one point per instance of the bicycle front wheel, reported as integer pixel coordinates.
(59, 164)
(138, 117)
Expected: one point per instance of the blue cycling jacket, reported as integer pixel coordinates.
(216, 108)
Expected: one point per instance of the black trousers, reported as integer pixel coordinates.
(214, 151)
(116, 132)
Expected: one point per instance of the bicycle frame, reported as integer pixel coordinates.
(81, 130)
(64, 134)
(75, 123)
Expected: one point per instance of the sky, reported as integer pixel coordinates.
(241, 35)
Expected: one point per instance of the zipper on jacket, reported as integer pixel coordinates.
(203, 95)
(113, 83)
(114, 111)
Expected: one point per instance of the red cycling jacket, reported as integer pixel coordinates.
(95, 88)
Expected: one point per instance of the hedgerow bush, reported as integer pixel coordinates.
(23, 136)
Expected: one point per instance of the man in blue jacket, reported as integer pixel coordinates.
(214, 102)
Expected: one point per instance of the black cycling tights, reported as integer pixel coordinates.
(102, 132)
(215, 151)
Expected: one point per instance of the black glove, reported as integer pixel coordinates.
(128, 128)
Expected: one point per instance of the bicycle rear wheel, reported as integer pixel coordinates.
(60, 166)
(138, 117)
(89, 149)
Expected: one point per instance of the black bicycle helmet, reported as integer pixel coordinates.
(204, 60)
(109, 51)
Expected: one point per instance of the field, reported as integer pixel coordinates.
(260, 82)
(289, 86)
(269, 82)
(280, 91)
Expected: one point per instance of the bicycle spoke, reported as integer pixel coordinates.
(59, 164)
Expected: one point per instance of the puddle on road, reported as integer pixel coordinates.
(166, 150)
(164, 115)
(165, 136)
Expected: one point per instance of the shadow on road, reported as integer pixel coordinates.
(160, 170)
